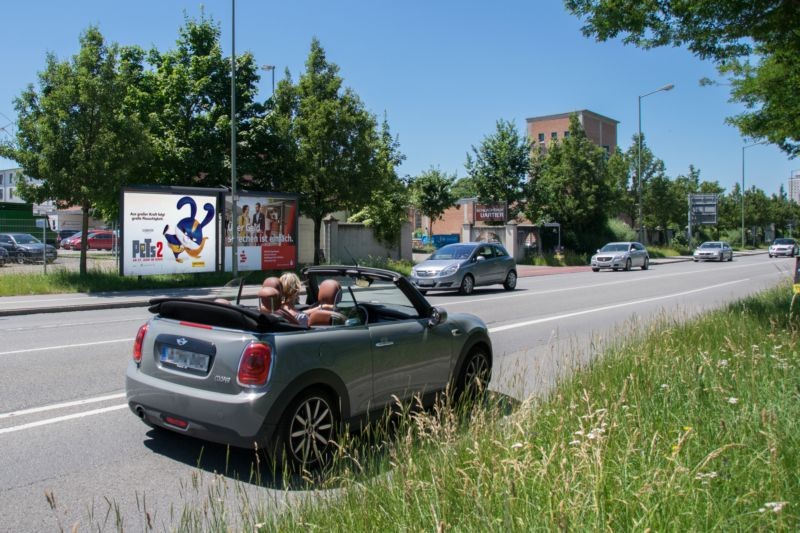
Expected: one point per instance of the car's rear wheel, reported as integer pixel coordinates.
(305, 439)
(646, 263)
(475, 375)
(467, 285)
(20, 258)
(511, 281)
(628, 265)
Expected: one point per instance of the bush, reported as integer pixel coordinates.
(620, 230)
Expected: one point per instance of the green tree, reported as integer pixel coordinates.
(432, 195)
(464, 188)
(75, 134)
(334, 139)
(387, 209)
(569, 184)
(185, 99)
(651, 168)
(500, 166)
(754, 42)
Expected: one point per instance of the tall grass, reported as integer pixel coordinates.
(693, 427)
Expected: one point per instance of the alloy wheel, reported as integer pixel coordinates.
(310, 432)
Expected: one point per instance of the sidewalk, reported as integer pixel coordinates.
(59, 303)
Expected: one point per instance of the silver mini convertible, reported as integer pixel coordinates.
(231, 374)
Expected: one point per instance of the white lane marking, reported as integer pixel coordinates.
(62, 418)
(63, 405)
(63, 346)
(607, 307)
(649, 279)
(73, 324)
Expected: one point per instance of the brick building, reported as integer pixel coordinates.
(545, 129)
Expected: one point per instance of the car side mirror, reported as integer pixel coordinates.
(438, 316)
(480, 258)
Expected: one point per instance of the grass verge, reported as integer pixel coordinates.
(693, 427)
(568, 258)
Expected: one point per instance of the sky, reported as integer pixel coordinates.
(442, 72)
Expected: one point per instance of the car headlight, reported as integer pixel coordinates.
(618, 257)
(449, 271)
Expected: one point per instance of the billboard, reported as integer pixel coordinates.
(171, 230)
(266, 228)
(703, 208)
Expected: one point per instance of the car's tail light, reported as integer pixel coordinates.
(254, 366)
(137, 344)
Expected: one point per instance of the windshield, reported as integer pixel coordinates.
(615, 247)
(783, 241)
(711, 245)
(24, 238)
(453, 251)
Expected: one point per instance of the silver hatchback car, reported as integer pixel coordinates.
(621, 255)
(464, 266)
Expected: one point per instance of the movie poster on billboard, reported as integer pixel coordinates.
(266, 228)
(169, 232)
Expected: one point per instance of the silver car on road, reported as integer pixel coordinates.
(621, 255)
(783, 246)
(464, 266)
(713, 251)
(230, 374)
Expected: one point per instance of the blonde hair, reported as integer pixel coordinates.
(291, 287)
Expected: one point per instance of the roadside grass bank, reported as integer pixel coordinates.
(692, 426)
(568, 258)
(59, 280)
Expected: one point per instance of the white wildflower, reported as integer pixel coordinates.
(733, 401)
(723, 363)
(775, 507)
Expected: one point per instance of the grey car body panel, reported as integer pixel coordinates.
(363, 366)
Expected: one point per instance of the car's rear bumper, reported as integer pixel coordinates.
(239, 420)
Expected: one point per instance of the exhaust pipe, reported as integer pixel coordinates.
(140, 411)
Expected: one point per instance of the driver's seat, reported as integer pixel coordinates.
(325, 313)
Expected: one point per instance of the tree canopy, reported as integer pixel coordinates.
(432, 194)
(754, 42)
(76, 135)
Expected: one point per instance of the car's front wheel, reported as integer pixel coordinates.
(646, 263)
(467, 285)
(475, 375)
(511, 281)
(628, 265)
(595, 269)
(20, 258)
(305, 439)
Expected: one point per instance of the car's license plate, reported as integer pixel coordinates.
(183, 359)
(425, 283)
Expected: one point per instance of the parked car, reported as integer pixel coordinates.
(230, 374)
(25, 248)
(3, 256)
(783, 246)
(621, 255)
(95, 240)
(464, 266)
(63, 234)
(713, 250)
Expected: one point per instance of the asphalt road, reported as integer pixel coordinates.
(66, 432)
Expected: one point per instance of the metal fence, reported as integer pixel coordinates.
(22, 238)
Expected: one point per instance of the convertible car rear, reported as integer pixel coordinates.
(231, 374)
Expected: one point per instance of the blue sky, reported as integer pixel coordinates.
(443, 72)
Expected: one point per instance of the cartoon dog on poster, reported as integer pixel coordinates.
(188, 235)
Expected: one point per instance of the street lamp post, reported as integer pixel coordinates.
(272, 69)
(667, 87)
(234, 229)
(746, 146)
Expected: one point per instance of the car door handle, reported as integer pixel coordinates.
(456, 332)
(383, 343)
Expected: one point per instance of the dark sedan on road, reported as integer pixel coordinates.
(464, 266)
(25, 248)
(251, 378)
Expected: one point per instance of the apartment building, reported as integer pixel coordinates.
(548, 128)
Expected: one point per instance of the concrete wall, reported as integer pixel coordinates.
(343, 242)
